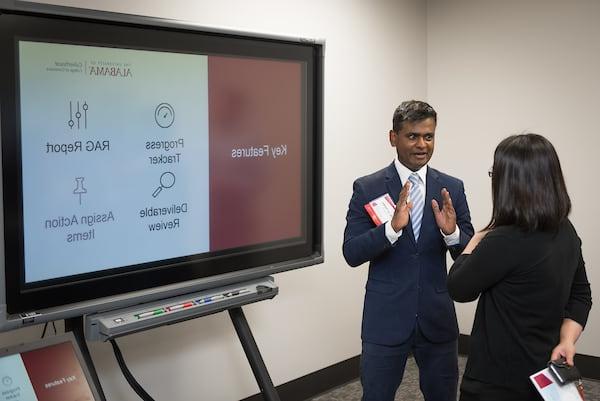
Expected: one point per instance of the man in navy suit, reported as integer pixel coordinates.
(407, 308)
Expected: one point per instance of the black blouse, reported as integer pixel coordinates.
(527, 284)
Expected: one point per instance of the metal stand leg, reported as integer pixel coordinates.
(75, 325)
(253, 354)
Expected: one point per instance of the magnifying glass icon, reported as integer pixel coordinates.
(167, 180)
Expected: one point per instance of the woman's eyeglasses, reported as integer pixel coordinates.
(490, 172)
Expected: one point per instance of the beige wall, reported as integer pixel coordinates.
(497, 68)
(491, 68)
(375, 56)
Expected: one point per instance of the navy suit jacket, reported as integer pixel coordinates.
(407, 280)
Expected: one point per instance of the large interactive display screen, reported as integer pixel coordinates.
(140, 153)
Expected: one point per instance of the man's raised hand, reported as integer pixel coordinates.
(402, 212)
(446, 217)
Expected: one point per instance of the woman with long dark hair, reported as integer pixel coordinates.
(527, 269)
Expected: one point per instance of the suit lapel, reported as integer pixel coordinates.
(392, 181)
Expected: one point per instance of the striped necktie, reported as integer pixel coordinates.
(417, 197)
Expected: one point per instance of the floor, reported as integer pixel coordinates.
(409, 389)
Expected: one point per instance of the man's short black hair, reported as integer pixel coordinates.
(412, 110)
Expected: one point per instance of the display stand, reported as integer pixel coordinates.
(112, 324)
(75, 325)
(253, 354)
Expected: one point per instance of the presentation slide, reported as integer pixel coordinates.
(16, 385)
(55, 374)
(255, 149)
(114, 157)
(135, 156)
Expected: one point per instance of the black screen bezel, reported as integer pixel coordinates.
(21, 296)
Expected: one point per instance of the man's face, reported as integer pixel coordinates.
(414, 142)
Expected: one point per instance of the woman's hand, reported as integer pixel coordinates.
(570, 331)
(566, 350)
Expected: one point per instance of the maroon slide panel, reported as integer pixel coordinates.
(56, 374)
(255, 151)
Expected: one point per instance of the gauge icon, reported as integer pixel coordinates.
(7, 381)
(164, 115)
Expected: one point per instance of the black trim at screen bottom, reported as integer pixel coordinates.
(346, 371)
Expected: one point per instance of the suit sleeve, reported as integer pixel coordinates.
(489, 263)
(363, 241)
(463, 220)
